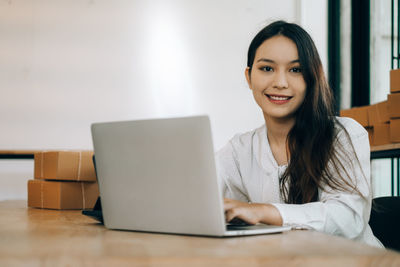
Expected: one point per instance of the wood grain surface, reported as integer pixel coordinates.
(385, 147)
(36, 237)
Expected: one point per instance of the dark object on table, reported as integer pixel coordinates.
(96, 213)
(385, 221)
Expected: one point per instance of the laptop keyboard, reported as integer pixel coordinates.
(238, 224)
(232, 227)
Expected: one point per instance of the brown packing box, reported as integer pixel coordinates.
(62, 195)
(37, 170)
(65, 165)
(370, 131)
(394, 105)
(395, 81)
(360, 114)
(395, 131)
(346, 113)
(378, 113)
(381, 134)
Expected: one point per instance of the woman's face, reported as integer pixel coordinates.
(276, 78)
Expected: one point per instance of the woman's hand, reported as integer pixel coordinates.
(251, 213)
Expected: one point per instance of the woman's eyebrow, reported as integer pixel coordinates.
(271, 61)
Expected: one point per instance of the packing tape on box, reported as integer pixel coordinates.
(83, 197)
(79, 165)
(41, 196)
(41, 164)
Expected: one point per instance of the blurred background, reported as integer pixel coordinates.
(66, 64)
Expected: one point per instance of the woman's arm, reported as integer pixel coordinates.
(229, 174)
(337, 212)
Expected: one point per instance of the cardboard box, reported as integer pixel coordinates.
(370, 131)
(381, 135)
(346, 113)
(378, 113)
(62, 194)
(394, 105)
(360, 114)
(395, 81)
(65, 165)
(395, 131)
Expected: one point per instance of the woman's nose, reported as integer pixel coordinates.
(280, 80)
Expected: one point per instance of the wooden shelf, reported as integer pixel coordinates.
(18, 152)
(385, 147)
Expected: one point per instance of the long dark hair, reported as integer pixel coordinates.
(311, 142)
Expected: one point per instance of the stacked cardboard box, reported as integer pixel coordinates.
(379, 122)
(394, 105)
(63, 180)
(361, 115)
(382, 120)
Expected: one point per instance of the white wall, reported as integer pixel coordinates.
(313, 17)
(65, 64)
(380, 49)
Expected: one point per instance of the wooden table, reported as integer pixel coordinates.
(38, 237)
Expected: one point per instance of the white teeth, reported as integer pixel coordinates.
(278, 97)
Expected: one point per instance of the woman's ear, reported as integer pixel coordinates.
(247, 74)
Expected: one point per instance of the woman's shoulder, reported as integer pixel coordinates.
(352, 127)
(246, 138)
(244, 141)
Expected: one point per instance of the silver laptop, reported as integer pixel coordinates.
(159, 176)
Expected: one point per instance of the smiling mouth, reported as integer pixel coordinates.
(278, 97)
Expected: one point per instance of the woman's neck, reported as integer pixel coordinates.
(278, 130)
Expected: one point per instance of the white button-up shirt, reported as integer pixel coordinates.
(250, 172)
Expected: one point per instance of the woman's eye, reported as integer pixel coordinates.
(266, 68)
(296, 70)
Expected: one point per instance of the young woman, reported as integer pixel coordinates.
(305, 167)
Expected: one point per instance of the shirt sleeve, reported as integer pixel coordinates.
(229, 174)
(338, 212)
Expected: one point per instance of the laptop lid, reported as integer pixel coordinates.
(159, 176)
